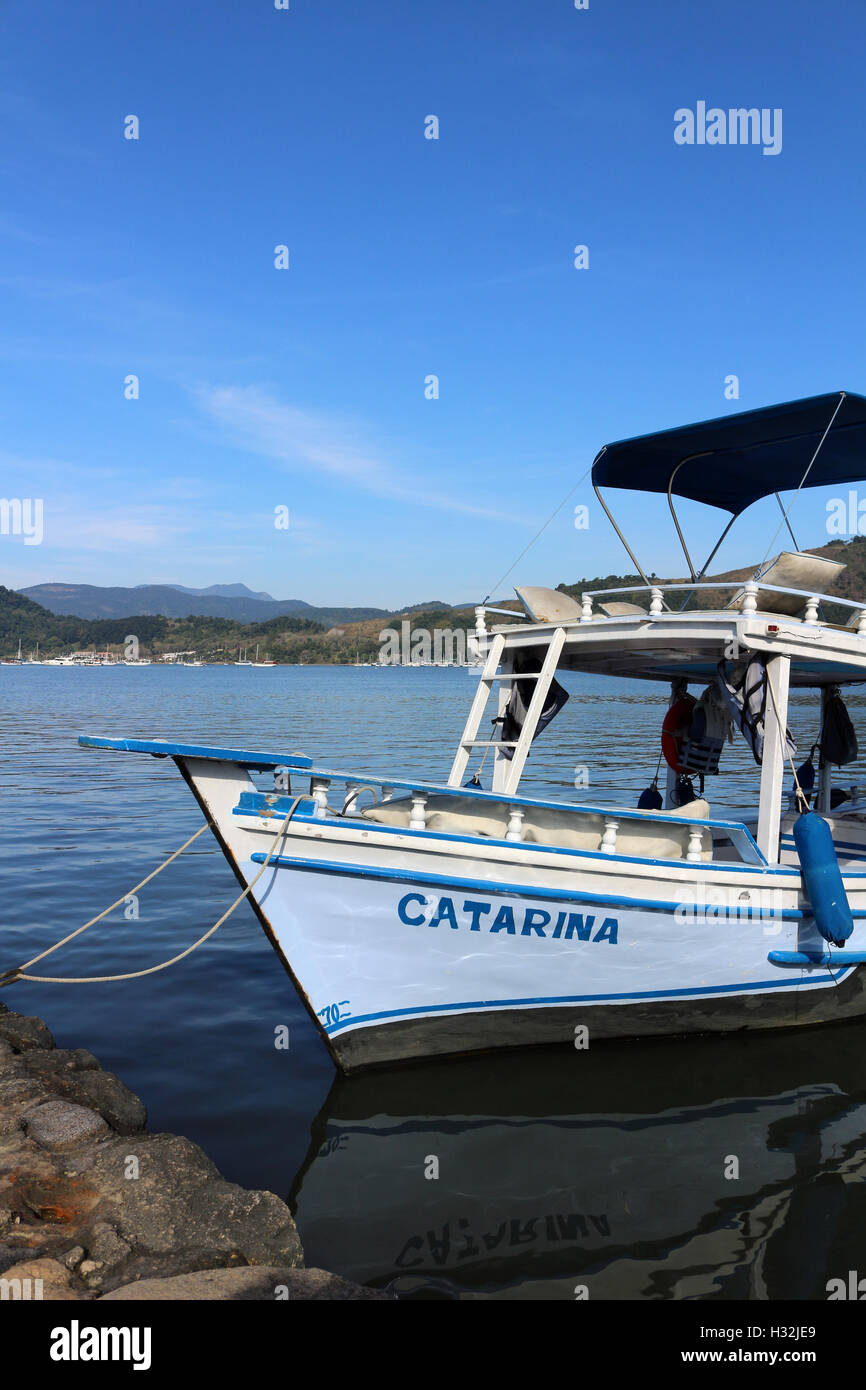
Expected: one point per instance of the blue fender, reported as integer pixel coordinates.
(823, 880)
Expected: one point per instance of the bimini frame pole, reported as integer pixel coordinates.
(689, 459)
(607, 512)
(773, 764)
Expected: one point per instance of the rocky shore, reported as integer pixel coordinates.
(94, 1206)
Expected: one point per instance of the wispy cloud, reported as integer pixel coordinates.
(307, 442)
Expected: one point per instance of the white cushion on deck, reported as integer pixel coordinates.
(465, 815)
(561, 829)
(618, 608)
(548, 605)
(790, 570)
(645, 841)
(564, 831)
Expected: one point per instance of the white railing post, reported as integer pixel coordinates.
(861, 624)
(811, 613)
(418, 816)
(608, 839)
(656, 603)
(750, 597)
(319, 792)
(515, 824)
(586, 608)
(695, 850)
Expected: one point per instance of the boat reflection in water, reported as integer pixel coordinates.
(717, 1168)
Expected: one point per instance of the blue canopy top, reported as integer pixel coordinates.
(745, 456)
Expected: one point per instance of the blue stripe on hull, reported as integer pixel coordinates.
(637, 997)
(519, 890)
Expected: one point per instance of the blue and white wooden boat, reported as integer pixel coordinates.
(420, 919)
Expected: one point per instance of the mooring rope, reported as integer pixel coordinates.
(802, 799)
(11, 977)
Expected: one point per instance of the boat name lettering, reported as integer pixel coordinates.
(447, 1247)
(415, 910)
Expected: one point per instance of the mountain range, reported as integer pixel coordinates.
(58, 618)
(234, 601)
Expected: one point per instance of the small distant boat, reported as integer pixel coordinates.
(262, 663)
(15, 660)
(138, 661)
(242, 660)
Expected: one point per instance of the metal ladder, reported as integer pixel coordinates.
(513, 769)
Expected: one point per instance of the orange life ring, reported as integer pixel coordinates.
(677, 721)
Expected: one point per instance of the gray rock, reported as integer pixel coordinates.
(24, 1033)
(115, 1102)
(263, 1283)
(57, 1126)
(105, 1245)
(9, 1256)
(77, 1077)
(61, 1060)
(180, 1215)
(6, 1050)
(73, 1257)
(15, 1090)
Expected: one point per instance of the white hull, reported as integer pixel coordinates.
(408, 945)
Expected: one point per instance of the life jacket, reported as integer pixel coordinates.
(745, 692)
(710, 729)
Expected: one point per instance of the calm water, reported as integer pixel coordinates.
(555, 1168)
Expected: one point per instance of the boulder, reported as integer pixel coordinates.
(179, 1214)
(58, 1125)
(24, 1033)
(78, 1077)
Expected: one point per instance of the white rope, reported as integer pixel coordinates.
(12, 976)
(553, 514)
(786, 752)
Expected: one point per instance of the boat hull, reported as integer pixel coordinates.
(396, 971)
(405, 945)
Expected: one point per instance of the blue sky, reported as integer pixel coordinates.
(304, 388)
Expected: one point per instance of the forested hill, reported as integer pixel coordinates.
(213, 638)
